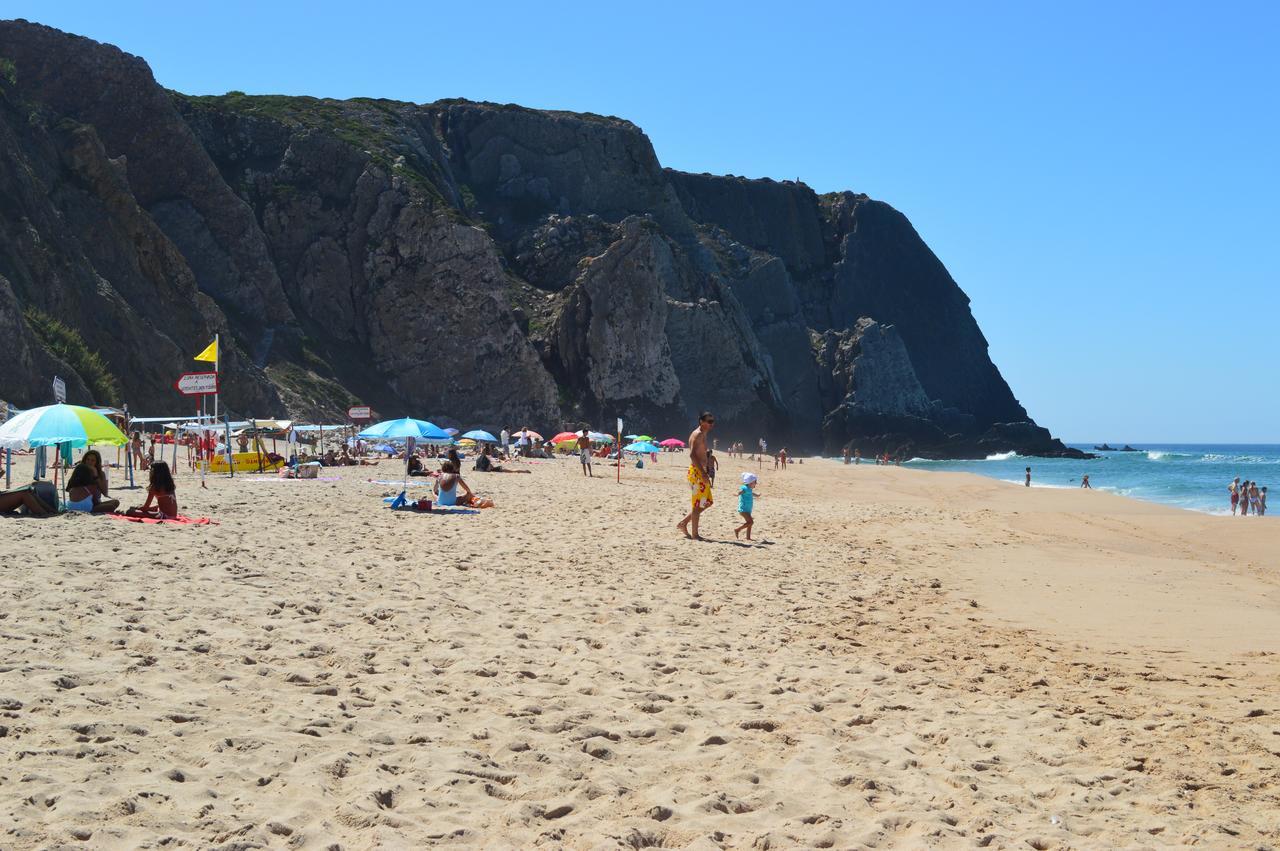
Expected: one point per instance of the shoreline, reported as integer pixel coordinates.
(1184, 476)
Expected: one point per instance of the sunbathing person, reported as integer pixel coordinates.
(86, 486)
(162, 502)
(11, 501)
(446, 487)
(485, 463)
(446, 490)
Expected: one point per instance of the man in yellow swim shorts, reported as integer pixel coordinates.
(698, 477)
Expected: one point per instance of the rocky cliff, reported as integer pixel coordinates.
(472, 263)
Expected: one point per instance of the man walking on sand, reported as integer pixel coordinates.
(698, 476)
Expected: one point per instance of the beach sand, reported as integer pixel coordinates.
(913, 659)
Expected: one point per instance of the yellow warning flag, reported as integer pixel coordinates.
(210, 353)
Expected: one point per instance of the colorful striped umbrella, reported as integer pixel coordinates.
(55, 425)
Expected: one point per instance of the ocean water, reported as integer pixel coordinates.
(1193, 476)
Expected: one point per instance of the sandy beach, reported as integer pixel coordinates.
(904, 659)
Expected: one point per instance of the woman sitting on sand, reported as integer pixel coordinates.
(87, 487)
(446, 490)
(162, 502)
(446, 487)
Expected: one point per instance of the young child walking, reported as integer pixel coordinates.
(162, 503)
(746, 503)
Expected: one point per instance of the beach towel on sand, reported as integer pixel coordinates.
(180, 520)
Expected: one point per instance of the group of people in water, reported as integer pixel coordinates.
(1247, 496)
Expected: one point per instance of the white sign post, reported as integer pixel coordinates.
(359, 412)
(197, 383)
(59, 390)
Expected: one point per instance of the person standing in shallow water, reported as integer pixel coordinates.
(698, 476)
(1028, 477)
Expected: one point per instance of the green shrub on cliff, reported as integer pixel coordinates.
(8, 71)
(67, 345)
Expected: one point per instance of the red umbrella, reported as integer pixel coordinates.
(672, 441)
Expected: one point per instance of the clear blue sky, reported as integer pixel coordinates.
(1102, 179)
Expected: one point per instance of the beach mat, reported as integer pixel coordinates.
(180, 520)
(283, 479)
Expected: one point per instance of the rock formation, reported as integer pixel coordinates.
(472, 263)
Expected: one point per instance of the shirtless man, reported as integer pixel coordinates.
(698, 477)
(584, 453)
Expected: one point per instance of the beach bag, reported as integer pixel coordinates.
(46, 493)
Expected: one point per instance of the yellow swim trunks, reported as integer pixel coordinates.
(701, 487)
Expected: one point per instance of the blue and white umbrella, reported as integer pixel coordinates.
(407, 429)
(641, 447)
(480, 436)
(420, 430)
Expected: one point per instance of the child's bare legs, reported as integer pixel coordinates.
(745, 516)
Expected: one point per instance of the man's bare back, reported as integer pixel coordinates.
(698, 449)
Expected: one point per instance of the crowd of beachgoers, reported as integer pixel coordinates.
(86, 486)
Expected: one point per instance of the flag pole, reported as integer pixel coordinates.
(217, 353)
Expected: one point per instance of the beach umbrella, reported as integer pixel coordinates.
(564, 437)
(452, 432)
(478, 434)
(672, 441)
(54, 425)
(642, 446)
(409, 430)
(599, 437)
(420, 430)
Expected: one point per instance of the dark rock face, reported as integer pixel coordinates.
(472, 263)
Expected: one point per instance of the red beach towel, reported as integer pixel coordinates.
(180, 520)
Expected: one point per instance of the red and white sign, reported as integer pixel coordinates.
(360, 412)
(197, 383)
